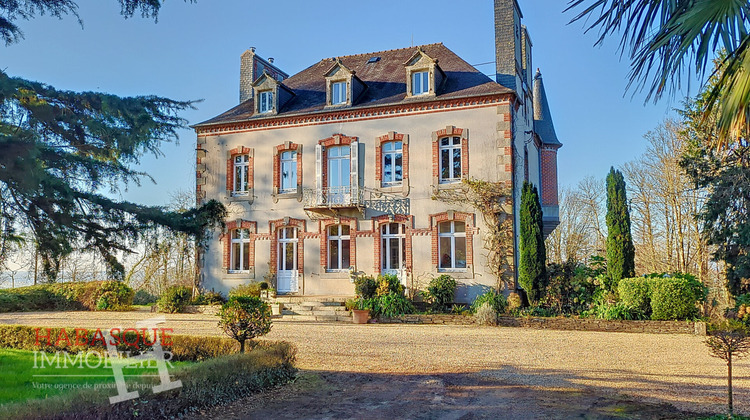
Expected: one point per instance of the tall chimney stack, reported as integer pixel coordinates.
(247, 61)
(508, 43)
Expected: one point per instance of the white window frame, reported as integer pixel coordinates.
(450, 148)
(452, 235)
(243, 178)
(393, 154)
(420, 82)
(288, 158)
(242, 237)
(339, 238)
(338, 93)
(386, 235)
(265, 101)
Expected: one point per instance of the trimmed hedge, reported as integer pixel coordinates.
(636, 293)
(216, 381)
(109, 295)
(183, 347)
(675, 298)
(664, 297)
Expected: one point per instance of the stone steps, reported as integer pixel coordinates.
(306, 308)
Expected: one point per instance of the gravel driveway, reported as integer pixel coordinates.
(650, 368)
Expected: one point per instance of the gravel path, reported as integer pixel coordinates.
(672, 369)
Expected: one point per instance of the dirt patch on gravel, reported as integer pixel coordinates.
(335, 395)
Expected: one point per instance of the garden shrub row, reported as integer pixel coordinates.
(99, 295)
(217, 381)
(183, 347)
(663, 298)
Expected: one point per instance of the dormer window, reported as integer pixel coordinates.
(343, 87)
(420, 82)
(423, 75)
(265, 101)
(338, 93)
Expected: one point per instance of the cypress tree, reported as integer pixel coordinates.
(620, 249)
(531, 270)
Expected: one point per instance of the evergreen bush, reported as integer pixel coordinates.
(366, 287)
(441, 293)
(243, 318)
(636, 293)
(676, 297)
(248, 289)
(175, 299)
(532, 262)
(620, 248)
(143, 297)
(114, 296)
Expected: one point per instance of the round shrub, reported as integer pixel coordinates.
(365, 287)
(675, 298)
(113, 295)
(144, 297)
(635, 293)
(175, 299)
(496, 301)
(244, 318)
(441, 292)
(247, 290)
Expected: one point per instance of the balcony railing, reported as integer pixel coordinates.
(358, 198)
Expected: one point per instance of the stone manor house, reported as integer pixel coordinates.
(336, 168)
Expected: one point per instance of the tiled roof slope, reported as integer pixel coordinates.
(385, 80)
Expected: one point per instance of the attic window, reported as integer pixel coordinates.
(373, 60)
(265, 101)
(420, 82)
(338, 93)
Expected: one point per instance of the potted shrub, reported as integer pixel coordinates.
(264, 289)
(361, 311)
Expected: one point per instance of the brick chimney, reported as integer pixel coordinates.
(509, 60)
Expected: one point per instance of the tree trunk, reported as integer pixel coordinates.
(729, 387)
(242, 350)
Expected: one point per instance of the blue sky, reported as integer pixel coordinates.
(192, 53)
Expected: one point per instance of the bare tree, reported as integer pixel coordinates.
(728, 341)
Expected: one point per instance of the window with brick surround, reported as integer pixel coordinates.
(393, 247)
(339, 247)
(288, 171)
(452, 245)
(450, 156)
(240, 260)
(393, 168)
(241, 175)
(450, 159)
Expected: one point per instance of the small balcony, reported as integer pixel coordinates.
(336, 201)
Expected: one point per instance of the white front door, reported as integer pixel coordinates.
(287, 273)
(339, 175)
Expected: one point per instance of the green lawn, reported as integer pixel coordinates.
(20, 380)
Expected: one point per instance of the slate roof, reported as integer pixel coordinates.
(543, 125)
(385, 80)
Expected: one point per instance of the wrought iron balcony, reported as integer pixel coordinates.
(319, 202)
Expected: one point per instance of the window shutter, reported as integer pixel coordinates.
(354, 167)
(318, 173)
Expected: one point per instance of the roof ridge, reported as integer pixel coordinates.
(383, 51)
